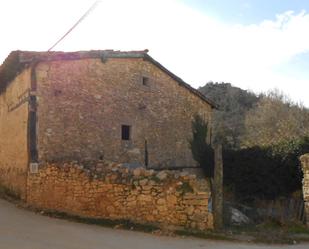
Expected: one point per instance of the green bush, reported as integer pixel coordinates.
(201, 150)
(265, 173)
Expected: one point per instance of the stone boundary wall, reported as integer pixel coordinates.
(165, 198)
(305, 166)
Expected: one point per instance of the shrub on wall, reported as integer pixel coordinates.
(201, 150)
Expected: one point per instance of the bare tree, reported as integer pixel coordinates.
(275, 119)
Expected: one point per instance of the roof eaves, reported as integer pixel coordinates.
(17, 60)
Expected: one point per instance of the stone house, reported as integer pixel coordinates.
(123, 107)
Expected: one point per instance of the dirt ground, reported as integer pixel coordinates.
(22, 229)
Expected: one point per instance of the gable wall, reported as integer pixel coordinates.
(83, 103)
(13, 134)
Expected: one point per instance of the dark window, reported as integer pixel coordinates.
(145, 81)
(125, 132)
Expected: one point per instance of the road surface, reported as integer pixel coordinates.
(22, 229)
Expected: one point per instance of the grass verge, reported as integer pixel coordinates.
(204, 235)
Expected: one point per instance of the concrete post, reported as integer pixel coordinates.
(305, 167)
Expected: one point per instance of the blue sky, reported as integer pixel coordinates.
(257, 45)
(251, 12)
(297, 67)
(246, 11)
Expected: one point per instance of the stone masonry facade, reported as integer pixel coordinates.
(164, 198)
(84, 103)
(305, 166)
(108, 106)
(14, 123)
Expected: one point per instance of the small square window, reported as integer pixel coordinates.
(145, 81)
(125, 132)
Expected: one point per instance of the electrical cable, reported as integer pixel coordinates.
(78, 22)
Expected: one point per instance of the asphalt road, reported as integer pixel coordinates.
(22, 229)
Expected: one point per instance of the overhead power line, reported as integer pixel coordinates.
(94, 5)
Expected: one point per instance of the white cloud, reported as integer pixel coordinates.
(196, 47)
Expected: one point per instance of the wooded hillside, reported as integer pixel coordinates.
(263, 137)
(245, 119)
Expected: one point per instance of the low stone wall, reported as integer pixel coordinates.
(305, 166)
(110, 191)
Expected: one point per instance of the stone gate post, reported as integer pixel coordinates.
(305, 167)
